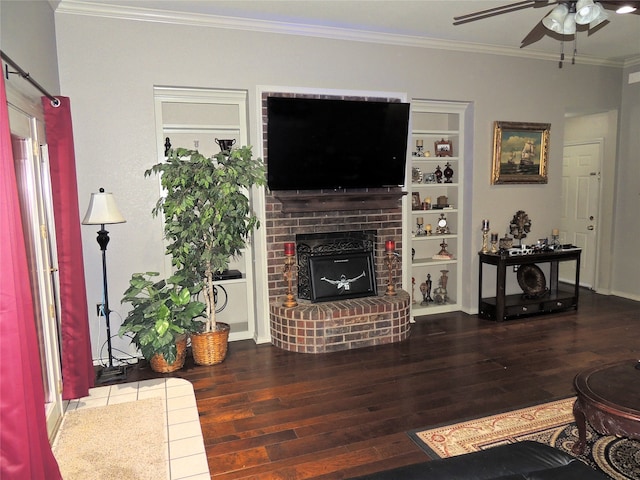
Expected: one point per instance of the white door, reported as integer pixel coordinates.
(580, 208)
(34, 191)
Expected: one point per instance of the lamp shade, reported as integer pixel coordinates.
(569, 26)
(586, 11)
(602, 16)
(102, 210)
(555, 20)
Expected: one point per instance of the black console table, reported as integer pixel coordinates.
(505, 307)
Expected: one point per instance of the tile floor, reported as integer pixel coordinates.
(185, 446)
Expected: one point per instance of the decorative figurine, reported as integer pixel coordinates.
(443, 254)
(425, 289)
(438, 174)
(440, 295)
(520, 225)
(448, 172)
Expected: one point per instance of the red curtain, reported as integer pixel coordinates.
(77, 367)
(24, 445)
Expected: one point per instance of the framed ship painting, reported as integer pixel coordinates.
(520, 152)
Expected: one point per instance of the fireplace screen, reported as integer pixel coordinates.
(336, 277)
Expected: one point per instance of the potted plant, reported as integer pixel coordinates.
(208, 220)
(163, 313)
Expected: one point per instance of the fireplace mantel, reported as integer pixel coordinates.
(345, 199)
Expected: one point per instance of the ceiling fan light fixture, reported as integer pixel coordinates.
(602, 16)
(555, 20)
(586, 11)
(569, 25)
(626, 8)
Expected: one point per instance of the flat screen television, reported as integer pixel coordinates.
(317, 144)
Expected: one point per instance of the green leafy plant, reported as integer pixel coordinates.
(207, 214)
(162, 311)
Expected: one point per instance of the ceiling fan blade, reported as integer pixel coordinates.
(491, 12)
(536, 34)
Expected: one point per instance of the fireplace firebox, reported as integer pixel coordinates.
(336, 266)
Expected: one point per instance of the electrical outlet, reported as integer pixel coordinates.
(99, 310)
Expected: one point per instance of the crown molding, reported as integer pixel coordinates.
(81, 7)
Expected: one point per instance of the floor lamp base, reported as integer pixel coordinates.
(111, 374)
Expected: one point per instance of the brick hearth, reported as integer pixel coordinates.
(332, 326)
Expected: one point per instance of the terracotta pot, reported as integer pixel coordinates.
(160, 365)
(210, 348)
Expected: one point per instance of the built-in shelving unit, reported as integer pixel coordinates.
(433, 125)
(194, 118)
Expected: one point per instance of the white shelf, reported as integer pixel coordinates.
(436, 211)
(433, 185)
(430, 262)
(421, 238)
(418, 310)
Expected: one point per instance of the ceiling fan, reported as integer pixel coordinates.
(565, 19)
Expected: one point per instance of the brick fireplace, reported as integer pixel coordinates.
(342, 324)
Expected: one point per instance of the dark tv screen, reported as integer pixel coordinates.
(334, 144)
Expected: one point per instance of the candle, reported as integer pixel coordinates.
(428, 227)
(494, 237)
(419, 143)
(485, 224)
(390, 245)
(419, 220)
(555, 232)
(428, 199)
(289, 248)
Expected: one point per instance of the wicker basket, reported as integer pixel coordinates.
(160, 365)
(210, 348)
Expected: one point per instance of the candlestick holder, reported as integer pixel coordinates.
(287, 270)
(391, 260)
(485, 239)
(494, 244)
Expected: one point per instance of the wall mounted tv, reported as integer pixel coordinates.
(335, 144)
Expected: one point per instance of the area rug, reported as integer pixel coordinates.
(120, 441)
(551, 423)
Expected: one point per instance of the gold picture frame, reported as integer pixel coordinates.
(520, 152)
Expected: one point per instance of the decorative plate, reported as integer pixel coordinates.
(532, 280)
(416, 175)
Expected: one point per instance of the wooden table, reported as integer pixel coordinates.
(504, 307)
(609, 399)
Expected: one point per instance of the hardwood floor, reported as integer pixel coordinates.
(268, 413)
